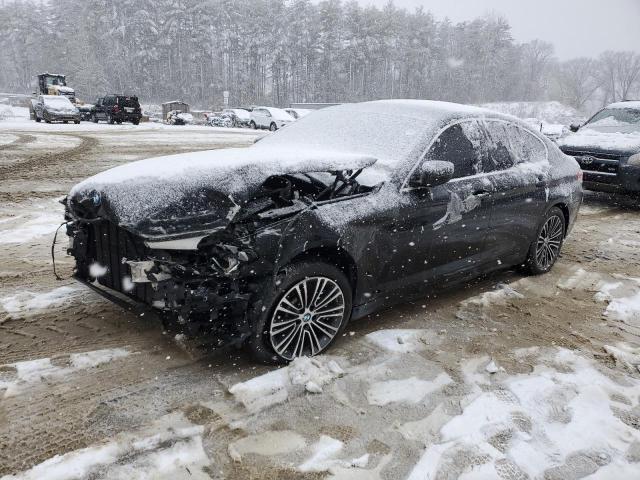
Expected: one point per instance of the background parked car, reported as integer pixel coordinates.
(55, 108)
(270, 118)
(86, 111)
(220, 119)
(607, 147)
(176, 117)
(298, 113)
(117, 109)
(241, 116)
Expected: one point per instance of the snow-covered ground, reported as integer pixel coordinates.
(507, 378)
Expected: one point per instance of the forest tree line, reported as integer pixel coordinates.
(281, 51)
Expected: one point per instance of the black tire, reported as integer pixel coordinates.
(38, 119)
(136, 122)
(260, 343)
(77, 122)
(273, 127)
(65, 121)
(110, 120)
(253, 125)
(546, 248)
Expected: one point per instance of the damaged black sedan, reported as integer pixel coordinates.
(277, 246)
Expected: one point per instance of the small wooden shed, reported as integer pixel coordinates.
(174, 105)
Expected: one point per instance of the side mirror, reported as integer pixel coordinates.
(432, 173)
(574, 127)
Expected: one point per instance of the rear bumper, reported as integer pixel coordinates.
(127, 117)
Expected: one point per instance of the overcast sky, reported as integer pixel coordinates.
(576, 27)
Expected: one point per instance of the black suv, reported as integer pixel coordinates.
(607, 147)
(117, 109)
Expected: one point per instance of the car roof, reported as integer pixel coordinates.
(626, 104)
(422, 109)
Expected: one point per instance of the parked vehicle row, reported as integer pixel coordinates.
(55, 108)
(257, 117)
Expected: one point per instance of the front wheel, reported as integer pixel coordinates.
(38, 119)
(273, 127)
(253, 125)
(305, 311)
(545, 250)
(94, 118)
(110, 120)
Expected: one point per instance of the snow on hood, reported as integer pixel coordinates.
(606, 139)
(192, 183)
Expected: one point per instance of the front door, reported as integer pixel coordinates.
(459, 246)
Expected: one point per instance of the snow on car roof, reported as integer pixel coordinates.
(393, 131)
(628, 104)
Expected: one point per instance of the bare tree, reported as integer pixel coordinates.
(620, 74)
(577, 81)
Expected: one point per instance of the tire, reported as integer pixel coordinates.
(253, 125)
(545, 249)
(282, 302)
(77, 122)
(136, 122)
(94, 118)
(38, 119)
(65, 121)
(110, 120)
(273, 127)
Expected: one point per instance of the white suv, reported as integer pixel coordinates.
(269, 117)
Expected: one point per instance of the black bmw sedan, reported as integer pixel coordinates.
(277, 246)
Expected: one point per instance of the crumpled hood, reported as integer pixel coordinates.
(621, 140)
(202, 189)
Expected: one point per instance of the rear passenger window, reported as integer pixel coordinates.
(455, 146)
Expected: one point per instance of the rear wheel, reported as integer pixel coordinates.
(38, 119)
(110, 120)
(304, 312)
(545, 250)
(136, 122)
(76, 122)
(94, 118)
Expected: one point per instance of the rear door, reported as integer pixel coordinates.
(518, 168)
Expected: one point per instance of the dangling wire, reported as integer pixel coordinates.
(53, 253)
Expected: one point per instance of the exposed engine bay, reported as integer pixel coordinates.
(205, 280)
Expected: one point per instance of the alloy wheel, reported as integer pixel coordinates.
(549, 242)
(307, 318)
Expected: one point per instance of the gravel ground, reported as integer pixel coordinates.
(449, 387)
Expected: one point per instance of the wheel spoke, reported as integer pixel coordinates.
(335, 293)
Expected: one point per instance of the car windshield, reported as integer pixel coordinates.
(615, 117)
(58, 102)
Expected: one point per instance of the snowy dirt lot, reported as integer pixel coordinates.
(508, 378)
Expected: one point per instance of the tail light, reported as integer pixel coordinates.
(116, 109)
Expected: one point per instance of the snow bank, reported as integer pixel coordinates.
(548, 112)
(24, 375)
(31, 222)
(26, 303)
(323, 457)
(408, 390)
(170, 449)
(402, 341)
(310, 374)
(566, 412)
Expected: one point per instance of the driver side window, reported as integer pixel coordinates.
(455, 145)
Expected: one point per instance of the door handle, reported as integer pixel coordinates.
(482, 193)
